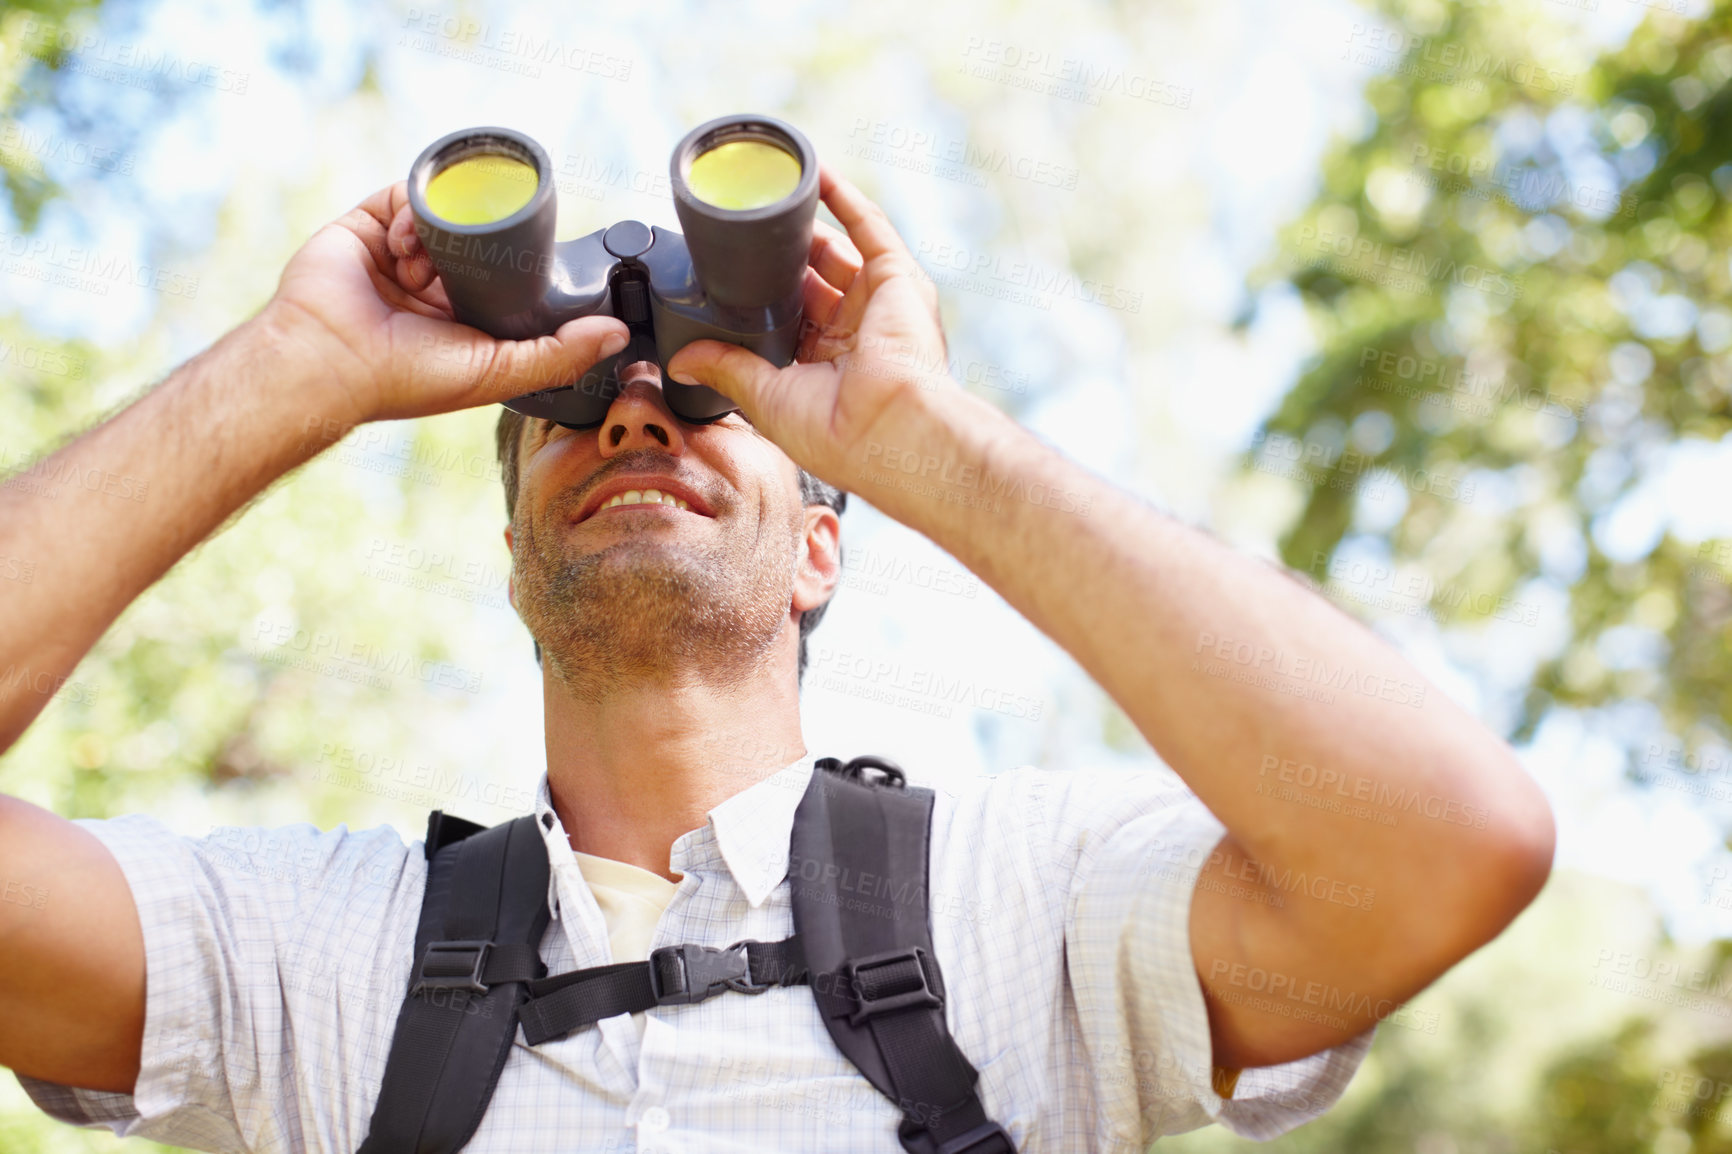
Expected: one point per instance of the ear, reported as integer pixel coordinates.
(511, 576)
(820, 568)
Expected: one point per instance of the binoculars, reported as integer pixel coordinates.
(745, 189)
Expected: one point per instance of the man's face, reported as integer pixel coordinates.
(647, 589)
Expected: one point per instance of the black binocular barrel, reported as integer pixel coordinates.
(748, 258)
(496, 271)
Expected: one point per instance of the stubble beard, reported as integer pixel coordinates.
(647, 609)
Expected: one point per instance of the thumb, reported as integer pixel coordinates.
(519, 367)
(738, 374)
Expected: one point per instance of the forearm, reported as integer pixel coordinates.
(182, 460)
(1235, 673)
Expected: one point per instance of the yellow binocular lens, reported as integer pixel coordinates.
(481, 189)
(741, 174)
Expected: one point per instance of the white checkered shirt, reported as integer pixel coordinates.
(277, 960)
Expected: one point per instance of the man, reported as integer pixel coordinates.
(1127, 957)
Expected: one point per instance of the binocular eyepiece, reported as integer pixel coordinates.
(745, 190)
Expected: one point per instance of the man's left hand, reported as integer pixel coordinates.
(872, 367)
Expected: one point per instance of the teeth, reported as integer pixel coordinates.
(645, 496)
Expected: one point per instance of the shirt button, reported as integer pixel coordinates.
(653, 1121)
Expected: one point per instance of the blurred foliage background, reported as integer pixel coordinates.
(1429, 300)
(1520, 283)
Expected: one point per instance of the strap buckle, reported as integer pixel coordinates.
(922, 995)
(745, 985)
(987, 1138)
(689, 972)
(451, 966)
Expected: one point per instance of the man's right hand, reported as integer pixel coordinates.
(361, 300)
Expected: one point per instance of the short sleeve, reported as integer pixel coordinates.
(265, 951)
(1145, 838)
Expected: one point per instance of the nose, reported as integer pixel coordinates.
(639, 417)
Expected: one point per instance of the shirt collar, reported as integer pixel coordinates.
(747, 834)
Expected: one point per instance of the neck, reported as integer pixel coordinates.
(633, 769)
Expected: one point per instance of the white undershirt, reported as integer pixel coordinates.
(632, 900)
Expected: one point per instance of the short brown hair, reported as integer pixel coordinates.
(509, 433)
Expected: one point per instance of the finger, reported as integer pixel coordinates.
(414, 268)
(845, 319)
(359, 231)
(372, 229)
(738, 374)
(401, 233)
(429, 302)
(868, 227)
(506, 369)
(385, 226)
(830, 323)
(834, 256)
(382, 205)
(434, 295)
(818, 312)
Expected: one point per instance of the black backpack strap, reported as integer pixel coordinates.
(444, 829)
(857, 870)
(477, 947)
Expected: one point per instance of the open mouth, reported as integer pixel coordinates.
(650, 492)
(642, 497)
